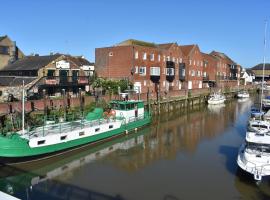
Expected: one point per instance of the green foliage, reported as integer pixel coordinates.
(111, 86)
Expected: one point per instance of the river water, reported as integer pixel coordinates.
(180, 156)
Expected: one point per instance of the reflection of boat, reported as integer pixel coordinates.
(243, 94)
(241, 100)
(125, 115)
(19, 179)
(215, 107)
(216, 98)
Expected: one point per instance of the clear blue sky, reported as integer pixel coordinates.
(77, 27)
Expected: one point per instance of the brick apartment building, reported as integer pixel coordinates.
(228, 71)
(163, 67)
(193, 60)
(9, 52)
(210, 69)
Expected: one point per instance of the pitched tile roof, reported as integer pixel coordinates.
(3, 37)
(208, 56)
(31, 63)
(223, 56)
(186, 49)
(136, 42)
(166, 45)
(15, 80)
(260, 67)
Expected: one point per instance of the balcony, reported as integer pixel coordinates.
(182, 72)
(65, 80)
(206, 78)
(170, 71)
(155, 74)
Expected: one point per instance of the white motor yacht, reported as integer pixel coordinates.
(216, 98)
(254, 154)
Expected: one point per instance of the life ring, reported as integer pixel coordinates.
(105, 115)
(113, 113)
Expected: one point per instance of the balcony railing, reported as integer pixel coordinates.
(65, 80)
(206, 78)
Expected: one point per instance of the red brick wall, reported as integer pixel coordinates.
(117, 62)
(196, 59)
(39, 104)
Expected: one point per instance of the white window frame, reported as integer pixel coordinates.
(158, 57)
(136, 69)
(154, 71)
(152, 57)
(136, 56)
(170, 71)
(144, 56)
(142, 71)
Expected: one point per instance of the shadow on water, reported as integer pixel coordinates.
(249, 188)
(231, 156)
(37, 179)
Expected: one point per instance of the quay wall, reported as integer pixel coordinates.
(164, 100)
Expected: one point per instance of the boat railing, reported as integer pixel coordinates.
(134, 119)
(255, 168)
(63, 127)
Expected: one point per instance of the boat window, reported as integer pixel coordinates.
(110, 126)
(81, 133)
(63, 137)
(258, 147)
(122, 106)
(97, 129)
(259, 126)
(128, 106)
(132, 106)
(41, 142)
(115, 106)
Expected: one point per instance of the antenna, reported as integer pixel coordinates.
(23, 109)
(264, 51)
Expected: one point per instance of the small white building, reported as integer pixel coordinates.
(248, 76)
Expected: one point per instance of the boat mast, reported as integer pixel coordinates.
(23, 109)
(264, 51)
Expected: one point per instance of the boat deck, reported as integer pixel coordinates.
(64, 127)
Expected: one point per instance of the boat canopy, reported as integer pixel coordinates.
(96, 114)
(126, 105)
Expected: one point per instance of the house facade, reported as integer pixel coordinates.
(146, 65)
(193, 60)
(258, 71)
(51, 73)
(228, 71)
(9, 52)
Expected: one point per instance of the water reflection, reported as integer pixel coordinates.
(180, 156)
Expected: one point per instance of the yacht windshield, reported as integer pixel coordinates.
(257, 148)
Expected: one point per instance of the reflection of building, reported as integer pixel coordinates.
(53, 73)
(9, 52)
(173, 135)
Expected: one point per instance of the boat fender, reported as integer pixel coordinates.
(126, 132)
(136, 129)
